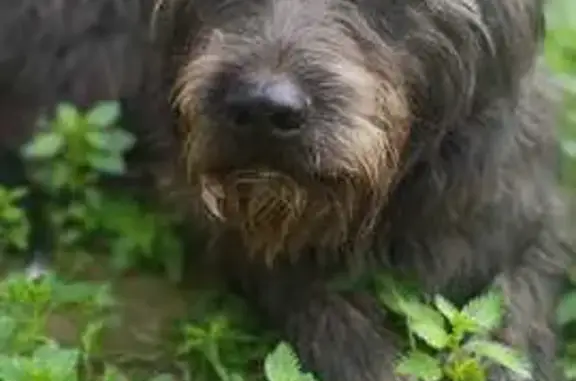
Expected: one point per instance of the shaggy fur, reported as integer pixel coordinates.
(427, 148)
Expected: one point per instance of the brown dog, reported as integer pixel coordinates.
(327, 136)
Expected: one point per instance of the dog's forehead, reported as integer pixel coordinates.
(294, 10)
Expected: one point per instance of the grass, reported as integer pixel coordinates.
(95, 318)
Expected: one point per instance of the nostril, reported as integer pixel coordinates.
(286, 119)
(275, 104)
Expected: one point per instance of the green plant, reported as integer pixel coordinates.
(219, 340)
(138, 232)
(561, 56)
(14, 226)
(26, 306)
(69, 157)
(447, 342)
(28, 354)
(282, 364)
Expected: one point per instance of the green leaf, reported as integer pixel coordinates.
(60, 175)
(61, 362)
(67, 116)
(12, 368)
(566, 311)
(485, 311)
(45, 145)
(104, 114)
(12, 215)
(421, 366)
(17, 193)
(119, 141)
(502, 355)
(393, 292)
(433, 334)
(446, 307)
(282, 364)
(107, 164)
(96, 139)
(417, 310)
(90, 336)
(468, 369)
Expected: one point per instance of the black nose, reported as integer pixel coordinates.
(277, 104)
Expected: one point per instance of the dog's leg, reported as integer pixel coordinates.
(530, 295)
(333, 339)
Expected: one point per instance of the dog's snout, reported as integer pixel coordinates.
(277, 104)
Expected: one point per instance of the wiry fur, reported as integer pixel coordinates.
(429, 150)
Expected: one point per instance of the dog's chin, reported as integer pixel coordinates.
(226, 196)
(276, 214)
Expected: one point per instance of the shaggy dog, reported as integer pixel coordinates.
(325, 137)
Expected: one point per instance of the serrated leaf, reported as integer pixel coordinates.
(282, 364)
(446, 307)
(502, 355)
(45, 145)
(421, 366)
(433, 334)
(104, 114)
(415, 310)
(485, 311)
(392, 292)
(566, 311)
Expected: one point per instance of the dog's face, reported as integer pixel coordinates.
(297, 113)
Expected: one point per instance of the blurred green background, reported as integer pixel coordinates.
(560, 51)
(561, 56)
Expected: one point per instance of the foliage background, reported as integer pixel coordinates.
(560, 51)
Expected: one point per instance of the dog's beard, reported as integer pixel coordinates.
(275, 214)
